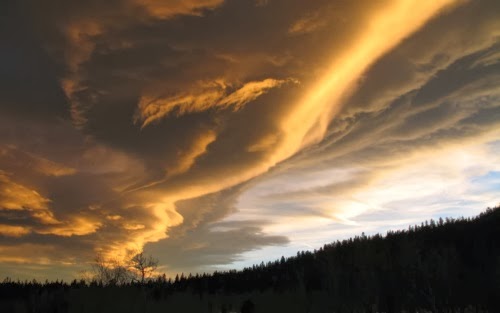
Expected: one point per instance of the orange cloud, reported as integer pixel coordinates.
(17, 197)
(13, 231)
(307, 121)
(160, 216)
(251, 91)
(187, 158)
(14, 196)
(81, 37)
(74, 226)
(169, 8)
(27, 253)
(307, 24)
(204, 96)
(130, 226)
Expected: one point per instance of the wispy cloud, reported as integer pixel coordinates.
(204, 96)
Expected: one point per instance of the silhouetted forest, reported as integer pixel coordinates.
(450, 265)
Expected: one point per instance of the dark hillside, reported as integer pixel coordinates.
(450, 265)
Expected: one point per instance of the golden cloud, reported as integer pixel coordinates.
(307, 24)
(307, 121)
(27, 253)
(169, 8)
(74, 226)
(17, 197)
(204, 96)
(186, 159)
(81, 37)
(13, 231)
(14, 196)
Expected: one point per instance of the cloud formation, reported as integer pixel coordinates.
(204, 130)
(204, 96)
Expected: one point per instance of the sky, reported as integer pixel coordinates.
(215, 134)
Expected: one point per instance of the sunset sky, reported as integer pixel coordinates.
(215, 134)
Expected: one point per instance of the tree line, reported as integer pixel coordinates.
(448, 265)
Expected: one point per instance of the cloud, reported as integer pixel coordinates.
(78, 226)
(19, 199)
(16, 158)
(13, 231)
(14, 196)
(202, 243)
(437, 46)
(205, 96)
(180, 127)
(83, 32)
(488, 59)
(307, 24)
(421, 154)
(188, 158)
(308, 121)
(167, 9)
(203, 248)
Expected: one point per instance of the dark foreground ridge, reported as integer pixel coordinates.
(450, 265)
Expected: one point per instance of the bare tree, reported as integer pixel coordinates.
(144, 265)
(139, 267)
(110, 272)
